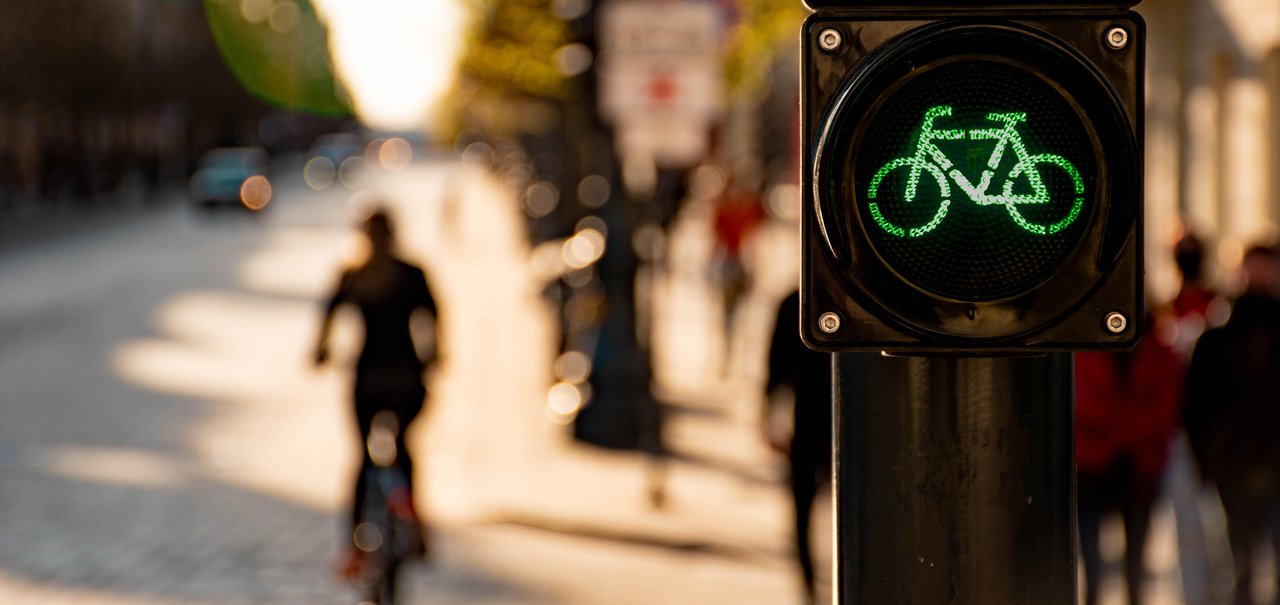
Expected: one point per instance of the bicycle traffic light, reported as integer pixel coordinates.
(972, 177)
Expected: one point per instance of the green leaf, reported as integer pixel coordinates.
(279, 51)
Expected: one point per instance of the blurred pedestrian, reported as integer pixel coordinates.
(390, 293)
(1233, 411)
(738, 213)
(1196, 307)
(803, 376)
(1127, 410)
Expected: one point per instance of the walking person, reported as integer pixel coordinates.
(806, 375)
(1197, 306)
(1127, 411)
(1232, 411)
(390, 294)
(737, 218)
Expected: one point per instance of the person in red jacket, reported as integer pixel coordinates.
(738, 214)
(1128, 407)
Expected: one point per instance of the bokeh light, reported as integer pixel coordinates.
(540, 199)
(255, 193)
(580, 278)
(478, 153)
(707, 182)
(592, 222)
(285, 17)
(394, 154)
(319, 173)
(584, 248)
(367, 537)
(256, 11)
(573, 59)
(593, 191)
(352, 173)
(649, 242)
(573, 367)
(564, 400)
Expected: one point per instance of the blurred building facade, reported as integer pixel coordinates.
(94, 93)
(1212, 130)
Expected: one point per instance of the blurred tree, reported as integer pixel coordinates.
(763, 32)
(512, 49)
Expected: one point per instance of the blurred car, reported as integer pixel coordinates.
(337, 147)
(234, 176)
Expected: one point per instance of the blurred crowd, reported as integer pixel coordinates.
(1186, 418)
(1190, 414)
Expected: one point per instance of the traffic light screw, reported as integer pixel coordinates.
(830, 40)
(829, 322)
(1116, 322)
(1117, 38)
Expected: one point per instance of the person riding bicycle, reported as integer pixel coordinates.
(390, 293)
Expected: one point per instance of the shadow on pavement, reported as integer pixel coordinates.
(638, 538)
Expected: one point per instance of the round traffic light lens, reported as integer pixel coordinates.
(974, 178)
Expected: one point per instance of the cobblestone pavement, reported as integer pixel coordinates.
(164, 440)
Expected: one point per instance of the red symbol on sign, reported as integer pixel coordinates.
(662, 88)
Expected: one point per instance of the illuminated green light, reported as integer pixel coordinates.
(928, 157)
(913, 232)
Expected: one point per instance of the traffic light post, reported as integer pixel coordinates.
(954, 480)
(972, 215)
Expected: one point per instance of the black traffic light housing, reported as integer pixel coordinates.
(1025, 230)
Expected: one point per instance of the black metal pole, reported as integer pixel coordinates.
(954, 480)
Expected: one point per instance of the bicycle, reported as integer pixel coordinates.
(388, 534)
(929, 158)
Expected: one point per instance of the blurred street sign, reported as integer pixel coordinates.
(661, 77)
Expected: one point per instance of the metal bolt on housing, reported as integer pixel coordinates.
(829, 322)
(1116, 322)
(829, 40)
(1117, 38)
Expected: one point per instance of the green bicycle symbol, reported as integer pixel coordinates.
(929, 158)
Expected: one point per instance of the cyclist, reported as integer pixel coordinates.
(389, 292)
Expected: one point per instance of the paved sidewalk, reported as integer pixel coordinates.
(164, 439)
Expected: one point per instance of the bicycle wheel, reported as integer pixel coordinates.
(914, 166)
(1050, 226)
(377, 536)
(387, 588)
(378, 583)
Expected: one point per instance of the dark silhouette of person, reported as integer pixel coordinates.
(1196, 307)
(1193, 295)
(807, 374)
(1128, 407)
(1232, 411)
(388, 292)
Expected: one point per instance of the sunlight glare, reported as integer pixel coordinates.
(396, 56)
(116, 466)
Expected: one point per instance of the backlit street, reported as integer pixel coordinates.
(166, 440)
